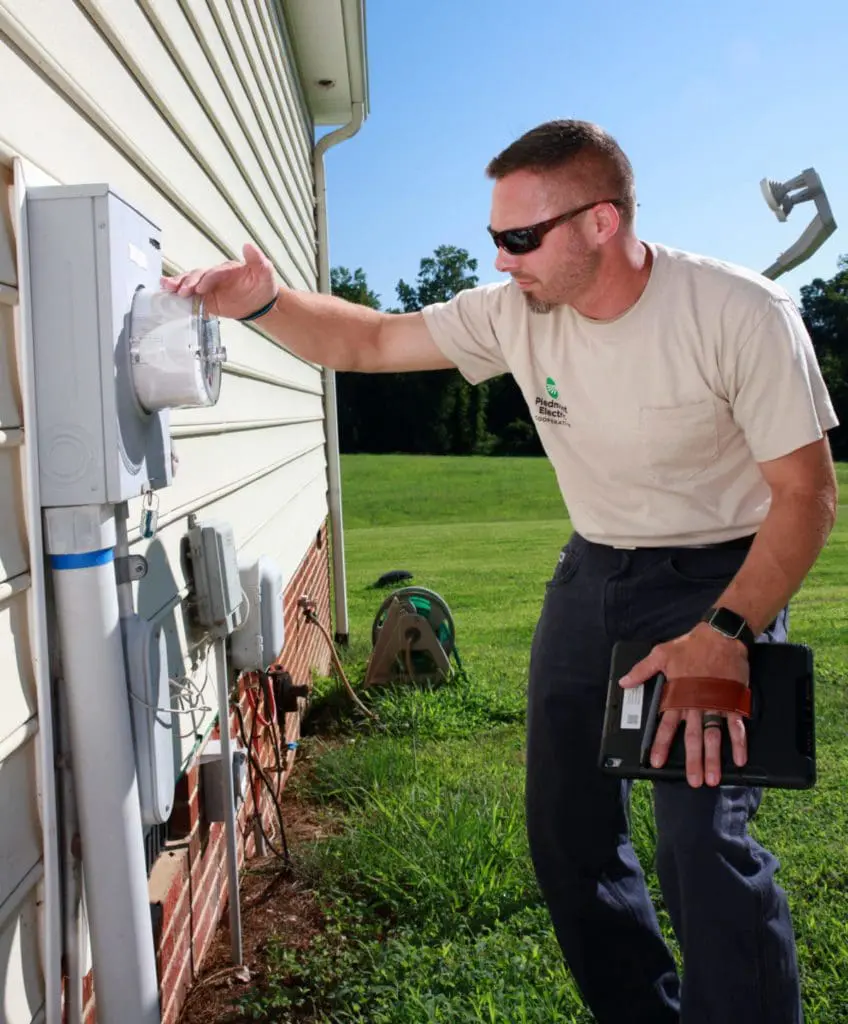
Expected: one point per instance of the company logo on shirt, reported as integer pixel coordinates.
(550, 410)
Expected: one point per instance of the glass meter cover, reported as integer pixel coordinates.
(175, 351)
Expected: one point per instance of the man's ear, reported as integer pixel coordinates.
(606, 220)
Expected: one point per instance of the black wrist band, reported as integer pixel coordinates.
(260, 312)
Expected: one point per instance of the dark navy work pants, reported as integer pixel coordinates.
(729, 915)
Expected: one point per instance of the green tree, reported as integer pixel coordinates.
(353, 287)
(434, 412)
(441, 276)
(824, 306)
(452, 413)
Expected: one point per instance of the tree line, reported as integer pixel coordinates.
(440, 413)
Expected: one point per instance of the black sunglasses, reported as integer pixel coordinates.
(520, 241)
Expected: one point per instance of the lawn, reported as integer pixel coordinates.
(432, 910)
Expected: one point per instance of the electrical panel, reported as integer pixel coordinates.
(259, 640)
(89, 253)
(146, 653)
(217, 594)
(113, 353)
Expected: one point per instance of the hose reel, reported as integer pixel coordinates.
(413, 637)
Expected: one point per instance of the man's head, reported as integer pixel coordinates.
(562, 167)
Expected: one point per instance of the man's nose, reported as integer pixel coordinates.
(505, 261)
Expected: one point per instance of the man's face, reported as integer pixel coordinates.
(567, 261)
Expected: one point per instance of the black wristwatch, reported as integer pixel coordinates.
(729, 624)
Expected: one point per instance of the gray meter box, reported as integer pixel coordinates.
(217, 585)
(89, 252)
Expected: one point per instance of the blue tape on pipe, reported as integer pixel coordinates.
(86, 560)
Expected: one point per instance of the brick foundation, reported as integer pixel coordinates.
(188, 884)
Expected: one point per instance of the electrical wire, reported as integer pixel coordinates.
(186, 683)
(268, 696)
(243, 623)
(254, 764)
(313, 618)
(169, 710)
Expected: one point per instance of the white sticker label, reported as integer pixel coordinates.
(631, 708)
(137, 256)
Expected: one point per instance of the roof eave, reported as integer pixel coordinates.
(329, 42)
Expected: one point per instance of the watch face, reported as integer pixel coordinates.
(727, 622)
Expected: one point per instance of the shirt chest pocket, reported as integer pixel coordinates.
(679, 441)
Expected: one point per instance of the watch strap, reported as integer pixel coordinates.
(730, 624)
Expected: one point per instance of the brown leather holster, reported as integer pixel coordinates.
(706, 693)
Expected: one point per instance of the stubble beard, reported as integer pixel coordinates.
(569, 286)
(538, 305)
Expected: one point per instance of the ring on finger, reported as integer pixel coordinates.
(712, 720)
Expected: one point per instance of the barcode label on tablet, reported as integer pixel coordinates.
(631, 708)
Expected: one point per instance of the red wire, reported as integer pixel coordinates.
(267, 699)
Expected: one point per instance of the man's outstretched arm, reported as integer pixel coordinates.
(321, 328)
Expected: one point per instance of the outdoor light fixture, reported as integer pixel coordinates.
(781, 197)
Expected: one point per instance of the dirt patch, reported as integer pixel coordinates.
(275, 904)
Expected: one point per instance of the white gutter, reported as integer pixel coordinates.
(354, 42)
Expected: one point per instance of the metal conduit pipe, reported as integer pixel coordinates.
(230, 823)
(81, 543)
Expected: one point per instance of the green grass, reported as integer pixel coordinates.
(432, 909)
(401, 491)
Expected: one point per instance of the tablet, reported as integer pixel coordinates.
(781, 729)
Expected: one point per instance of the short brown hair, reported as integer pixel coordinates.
(596, 157)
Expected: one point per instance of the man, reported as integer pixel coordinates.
(681, 405)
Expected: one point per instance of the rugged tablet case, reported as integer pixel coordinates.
(781, 729)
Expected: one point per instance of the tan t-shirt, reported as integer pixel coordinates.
(654, 421)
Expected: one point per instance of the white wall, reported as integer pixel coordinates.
(190, 109)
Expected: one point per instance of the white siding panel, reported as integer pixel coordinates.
(163, 71)
(13, 546)
(17, 682)
(247, 401)
(218, 29)
(20, 846)
(279, 65)
(21, 984)
(73, 150)
(286, 535)
(210, 464)
(10, 413)
(246, 346)
(290, 184)
(76, 47)
(271, 102)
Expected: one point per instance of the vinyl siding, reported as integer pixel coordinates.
(192, 111)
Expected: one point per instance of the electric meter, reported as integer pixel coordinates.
(175, 351)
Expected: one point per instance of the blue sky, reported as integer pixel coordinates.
(706, 99)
